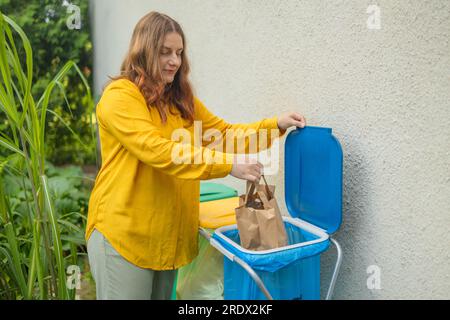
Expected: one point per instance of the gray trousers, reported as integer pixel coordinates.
(117, 279)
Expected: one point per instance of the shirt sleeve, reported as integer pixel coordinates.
(242, 134)
(125, 115)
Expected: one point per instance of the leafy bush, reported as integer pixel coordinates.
(69, 190)
(53, 43)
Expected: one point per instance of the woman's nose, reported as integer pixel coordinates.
(173, 60)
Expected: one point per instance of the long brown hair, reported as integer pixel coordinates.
(141, 66)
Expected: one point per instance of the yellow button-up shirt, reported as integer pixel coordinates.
(143, 202)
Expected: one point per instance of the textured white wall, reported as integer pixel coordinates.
(385, 93)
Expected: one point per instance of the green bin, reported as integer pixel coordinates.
(208, 192)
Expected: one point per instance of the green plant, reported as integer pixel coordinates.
(53, 43)
(32, 257)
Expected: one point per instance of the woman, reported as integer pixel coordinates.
(143, 211)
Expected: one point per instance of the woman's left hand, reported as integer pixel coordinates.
(288, 119)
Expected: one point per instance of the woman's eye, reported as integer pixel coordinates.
(167, 53)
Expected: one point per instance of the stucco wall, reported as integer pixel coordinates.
(385, 93)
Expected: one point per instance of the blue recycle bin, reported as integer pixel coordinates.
(313, 195)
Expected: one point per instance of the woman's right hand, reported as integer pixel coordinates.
(250, 170)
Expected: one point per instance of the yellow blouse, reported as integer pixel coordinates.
(144, 203)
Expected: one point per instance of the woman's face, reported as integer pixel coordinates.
(170, 56)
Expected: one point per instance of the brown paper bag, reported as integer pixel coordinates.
(259, 219)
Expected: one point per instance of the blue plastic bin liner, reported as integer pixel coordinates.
(298, 281)
(288, 273)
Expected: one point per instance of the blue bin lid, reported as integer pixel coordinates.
(313, 177)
